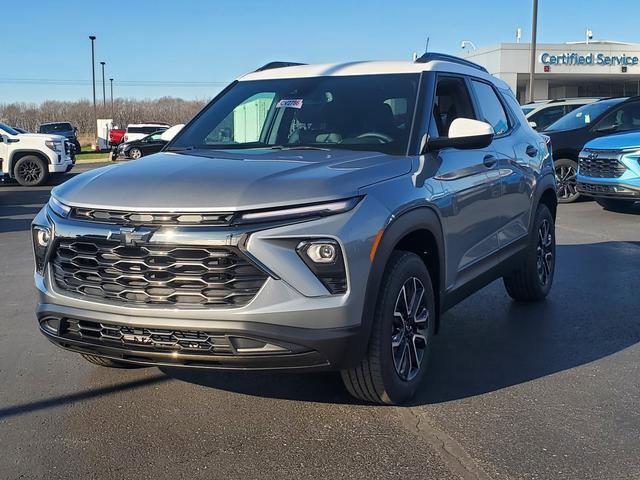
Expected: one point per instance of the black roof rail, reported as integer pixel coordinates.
(443, 57)
(272, 65)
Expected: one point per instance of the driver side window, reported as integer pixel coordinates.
(451, 101)
(623, 119)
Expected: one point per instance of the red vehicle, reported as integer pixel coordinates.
(115, 136)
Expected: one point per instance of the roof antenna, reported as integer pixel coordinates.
(426, 49)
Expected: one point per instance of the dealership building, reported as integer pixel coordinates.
(574, 69)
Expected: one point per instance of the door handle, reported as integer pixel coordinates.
(531, 151)
(489, 161)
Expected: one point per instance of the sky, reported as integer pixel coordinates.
(192, 49)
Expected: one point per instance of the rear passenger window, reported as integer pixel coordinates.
(491, 107)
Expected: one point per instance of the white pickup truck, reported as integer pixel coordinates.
(30, 158)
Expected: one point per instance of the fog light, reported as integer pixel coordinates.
(321, 252)
(41, 239)
(324, 259)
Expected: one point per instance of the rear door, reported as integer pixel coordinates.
(470, 183)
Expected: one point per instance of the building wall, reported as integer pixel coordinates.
(510, 62)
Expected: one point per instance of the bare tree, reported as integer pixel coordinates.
(80, 113)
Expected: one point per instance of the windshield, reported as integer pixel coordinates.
(55, 127)
(353, 112)
(7, 129)
(584, 115)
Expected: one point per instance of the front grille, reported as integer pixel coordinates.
(119, 217)
(149, 274)
(597, 167)
(160, 339)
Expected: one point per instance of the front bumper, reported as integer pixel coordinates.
(293, 309)
(271, 347)
(63, 164)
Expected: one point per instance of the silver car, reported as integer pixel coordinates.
(310, 217)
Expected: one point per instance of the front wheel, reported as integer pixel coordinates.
(615, 204)
(135, 153)
(31, 171)
(566, 172)
(401, 337)
(533, 278)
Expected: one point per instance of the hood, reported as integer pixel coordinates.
(42, 136)
(208, 180)
(620, 141)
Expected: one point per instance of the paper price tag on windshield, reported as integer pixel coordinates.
(290, 103)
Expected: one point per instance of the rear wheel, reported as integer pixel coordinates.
(401, 336)
(31, 171)
(566, 172)
(533, 279)
(107, 362)
(615, 204)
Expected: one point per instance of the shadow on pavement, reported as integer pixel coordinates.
(489, 342)
(76, 397)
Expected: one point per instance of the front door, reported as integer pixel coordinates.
(470, 183)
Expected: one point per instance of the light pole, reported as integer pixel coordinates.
(93, 74)
(111, 84)
(104, 92)
(534, 30)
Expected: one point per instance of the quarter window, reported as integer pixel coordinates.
(491, 107)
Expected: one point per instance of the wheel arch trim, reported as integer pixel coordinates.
(419, 218)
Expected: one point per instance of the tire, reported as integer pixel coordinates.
(31, 171)
(78, 147)
(615, 204)
(135, 153)
(566, 171)
(107, 362)
(385, 375)
(532, 281)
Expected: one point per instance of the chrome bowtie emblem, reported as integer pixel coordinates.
(130, 236)
(592, 155)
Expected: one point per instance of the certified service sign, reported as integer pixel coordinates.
(589, 59)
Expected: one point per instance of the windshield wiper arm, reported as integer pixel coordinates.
(298, 147)
(180, 149)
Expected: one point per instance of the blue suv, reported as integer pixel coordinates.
(609, 170)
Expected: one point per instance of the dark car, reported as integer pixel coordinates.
(62, 128)
(570, 133)
(145, 146)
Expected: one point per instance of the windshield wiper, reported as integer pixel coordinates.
(298, 147)
(180, 149)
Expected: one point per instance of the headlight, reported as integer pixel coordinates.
(55, 145)
(313, 210)
(41, 237)
(324, 259)
(58, 207)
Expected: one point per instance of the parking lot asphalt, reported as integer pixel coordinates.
(544, 391)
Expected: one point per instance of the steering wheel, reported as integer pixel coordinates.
(380, 136)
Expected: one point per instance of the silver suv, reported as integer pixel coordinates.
(310, 217)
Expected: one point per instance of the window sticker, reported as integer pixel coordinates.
(290, 103)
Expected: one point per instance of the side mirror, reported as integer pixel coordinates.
(464, 134)
(533, 125)
(605, 130)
